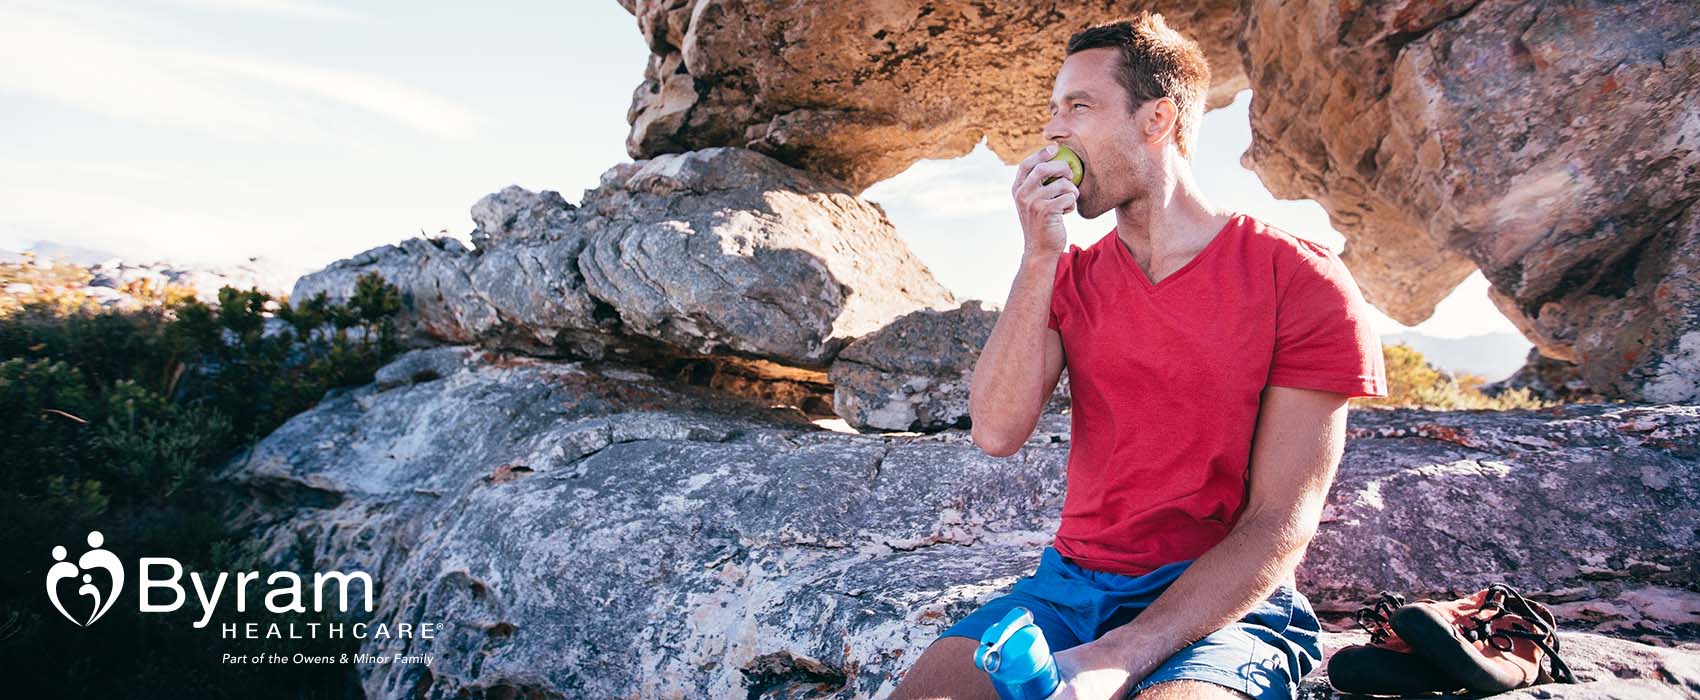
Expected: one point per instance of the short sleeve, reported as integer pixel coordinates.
(1323, 336)
(1065, 263)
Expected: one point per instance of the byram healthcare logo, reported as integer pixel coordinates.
(95, 558)
(98, 576)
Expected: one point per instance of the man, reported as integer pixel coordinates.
(1210, 362)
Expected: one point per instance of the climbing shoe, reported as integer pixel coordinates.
(1491, 641)
(1386, 665)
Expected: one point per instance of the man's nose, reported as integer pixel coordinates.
(1055, 129)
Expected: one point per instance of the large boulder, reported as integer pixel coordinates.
(915, 373)
(721, 252)
(861, 92)
(1552, 145)
(590, 532)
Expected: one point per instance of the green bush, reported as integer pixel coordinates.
(116, 419)
(1412, 382)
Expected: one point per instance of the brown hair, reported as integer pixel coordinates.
(1156, 61)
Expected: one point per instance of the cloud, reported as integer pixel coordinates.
(231, 96)
(294, 8)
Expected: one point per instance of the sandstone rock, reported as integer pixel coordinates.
(1553, 146)
(586, 531)
(708, 253)
(860, 92)
(915, 373)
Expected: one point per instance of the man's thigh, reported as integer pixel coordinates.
(946, 670)
(1190, 690)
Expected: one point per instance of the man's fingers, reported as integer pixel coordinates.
(1062, 203)
(1031, 161)
(1046, 171)
(1034, 185)
(1057, 188)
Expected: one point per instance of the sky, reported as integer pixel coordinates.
(303, 132)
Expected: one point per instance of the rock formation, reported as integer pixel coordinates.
(1551, 145)
(720, 252)
(586, 531)
(861, 92)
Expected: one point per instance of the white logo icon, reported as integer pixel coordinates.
(95, 558)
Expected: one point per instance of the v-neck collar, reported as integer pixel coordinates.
(1145, 281)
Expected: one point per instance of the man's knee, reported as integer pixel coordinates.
(1189, 689)
(946, 670)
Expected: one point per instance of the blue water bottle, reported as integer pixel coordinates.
(1014, 653)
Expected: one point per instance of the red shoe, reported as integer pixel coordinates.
(1387, 665)
(1493, 641)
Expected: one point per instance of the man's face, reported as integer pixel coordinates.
(1089, 114)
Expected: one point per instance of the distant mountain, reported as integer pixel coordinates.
(1492, 355)
(70, 253)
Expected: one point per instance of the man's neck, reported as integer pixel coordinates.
(1173, 221)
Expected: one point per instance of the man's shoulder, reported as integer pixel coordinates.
(1295, 257)
(1285, 242)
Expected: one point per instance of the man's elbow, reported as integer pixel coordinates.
(995, 443)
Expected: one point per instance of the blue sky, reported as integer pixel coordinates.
(303, 132)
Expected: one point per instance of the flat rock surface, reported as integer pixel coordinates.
(586, 531)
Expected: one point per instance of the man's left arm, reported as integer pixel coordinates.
(1296, 449)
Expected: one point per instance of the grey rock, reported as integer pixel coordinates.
(915, 373)
(517, 213)
(723, 252)
(423, 365)
(1597, 501)
(587, 531)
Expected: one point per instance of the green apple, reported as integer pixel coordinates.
(1076, 168)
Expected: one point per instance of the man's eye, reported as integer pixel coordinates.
(1077, 104)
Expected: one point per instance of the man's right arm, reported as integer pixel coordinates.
(1020, 365)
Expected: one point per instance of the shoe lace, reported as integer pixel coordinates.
(1375, 619)
(1505, 600)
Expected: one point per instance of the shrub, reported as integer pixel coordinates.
(1413, 383)
(116, 418)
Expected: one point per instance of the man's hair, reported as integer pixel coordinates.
(1156, 61)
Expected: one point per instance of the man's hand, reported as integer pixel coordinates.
(1092, 672)
(1040, 206)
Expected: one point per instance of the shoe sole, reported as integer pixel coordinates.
(1433, 637)
(1373, 670)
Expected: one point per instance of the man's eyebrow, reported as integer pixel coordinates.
(1070, 96)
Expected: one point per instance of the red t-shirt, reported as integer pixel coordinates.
(1166, 380)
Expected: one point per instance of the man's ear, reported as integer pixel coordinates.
(1159, 119)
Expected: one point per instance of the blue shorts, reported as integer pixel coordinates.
(1263, 655)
